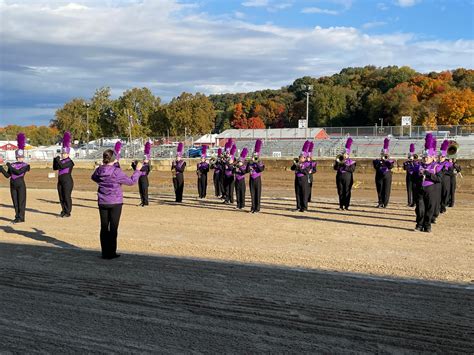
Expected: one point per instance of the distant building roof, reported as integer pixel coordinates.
(206, 139)
(274, 133)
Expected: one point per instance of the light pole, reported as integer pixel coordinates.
(381, 125)
(130, 122)
(87, 105)
(309, 89)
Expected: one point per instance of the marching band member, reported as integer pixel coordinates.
(383, 175)
(447, 169)
(427, 176)
(455, 173)
(143, 182)
(216, 164)
(313, 165)
(202, 169)
(345, 168)
(110, 179)
(437, 187)
(229, 176)
(302, 170)
(255, 169)
(16, 172)
(409, 167)
(177, 169)
(64, 165)
(240, 169)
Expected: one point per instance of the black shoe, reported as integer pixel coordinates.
(67, 215)
(384, 206)
(412, 205)
(62, 214)
(418, 229)
(16, 220)
(301, 210)
(379, 205)
(442, 211)
(433, 221)
(110, 257)
(427, 230)
(346, 208)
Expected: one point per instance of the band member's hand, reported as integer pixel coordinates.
(139, 166)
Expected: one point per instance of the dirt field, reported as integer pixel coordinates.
(154, 303)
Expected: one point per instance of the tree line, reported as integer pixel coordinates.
(353, 97)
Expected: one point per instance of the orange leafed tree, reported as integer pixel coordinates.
(456, 107)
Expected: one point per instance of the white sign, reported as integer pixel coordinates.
(406, 120)
(301, 123)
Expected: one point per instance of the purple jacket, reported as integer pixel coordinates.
(110, 179)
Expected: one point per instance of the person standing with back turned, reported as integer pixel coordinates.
(110, 179)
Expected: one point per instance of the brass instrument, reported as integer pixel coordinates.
(452, 148)
(173, 169)
(385, 157)
(340, 159)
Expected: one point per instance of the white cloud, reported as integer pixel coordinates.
(255, 3)
(369, 25)
(382, 6)
(52, 52)
(406, 3)
(317, 10)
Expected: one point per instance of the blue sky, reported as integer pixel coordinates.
(53, 51)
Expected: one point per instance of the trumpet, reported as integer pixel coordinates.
(296, 160)
(452, 148)
(340, 159)
(385, 157)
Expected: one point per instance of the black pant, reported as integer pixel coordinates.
(445, 192)
(143, 189)
(18, 193)
(221, 183)
(383, 182)
(344, 187)
(202, 185)
(301, 192)
(452, 193)
(216, 177)
(310, 186)
(256, 193)
(109, 223)
(437, 201)
(425, 206)
(65, 186)
(240, 193)
(229, 188)
(410, 187)
(178, 183)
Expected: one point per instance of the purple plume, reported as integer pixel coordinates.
(180, 148)
(258, 146)
(21, 141)
(305, 146)
(219, 151)
(233, 149)
(348, 145)
(204, 151)
(118, 147)
(243, 153)
(147, 148)
(386, 143)
(228, 144)
(445, 145)
(412, 148)
(311, 147)
(428, 141)
(67, 139)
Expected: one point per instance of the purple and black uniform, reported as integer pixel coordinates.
(383, 180)
(302, 170)
(65, 183)
(409, 167)
(110, 179)
(143, 182)
(178, 180)
(427, 178)
(255, 169)
(447, 170)
(314, 166)
(344, 181)
(16, 172)
(239, 173)
(217, 177)
(202, 169)
(228, 182)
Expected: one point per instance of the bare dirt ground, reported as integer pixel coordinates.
(406, 291)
